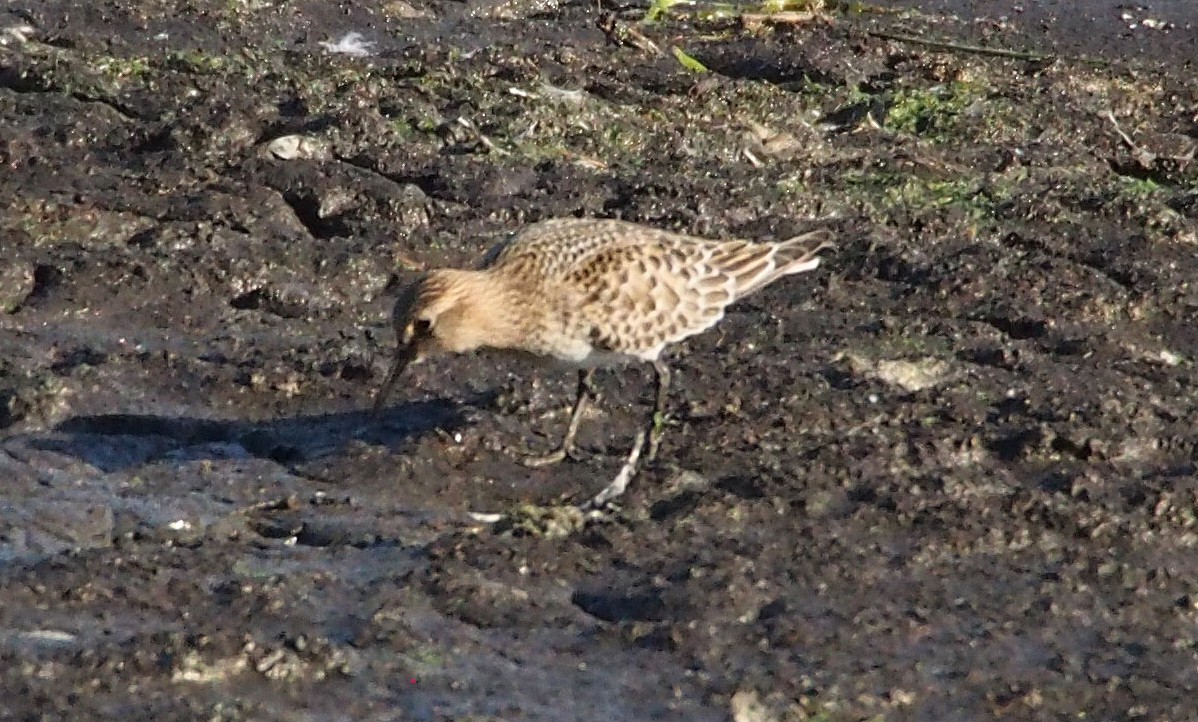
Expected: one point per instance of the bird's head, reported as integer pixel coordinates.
(444, 311)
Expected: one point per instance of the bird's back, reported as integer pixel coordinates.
(560, 246)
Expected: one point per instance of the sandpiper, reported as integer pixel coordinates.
(591, 293)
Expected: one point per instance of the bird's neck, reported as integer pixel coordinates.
(488, 312)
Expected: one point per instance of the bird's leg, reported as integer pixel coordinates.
(585, 389)
(620, 483)
(657, 423)
(650, 435)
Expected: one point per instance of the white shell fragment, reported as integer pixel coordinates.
(291, 147)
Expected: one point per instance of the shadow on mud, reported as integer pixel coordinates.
(292, 440)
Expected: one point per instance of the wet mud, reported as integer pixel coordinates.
(949, 475)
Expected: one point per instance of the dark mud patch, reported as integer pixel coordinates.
(951, 475)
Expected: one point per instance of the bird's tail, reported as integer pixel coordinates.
(801, 253)
(755, 265)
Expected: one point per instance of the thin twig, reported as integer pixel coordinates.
(961, 47)
(1144, 157)
(785, 17)
(478, 134)
(1126, 138)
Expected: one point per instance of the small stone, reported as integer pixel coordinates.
(291, 147)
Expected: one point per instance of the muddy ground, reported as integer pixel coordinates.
(948, 476)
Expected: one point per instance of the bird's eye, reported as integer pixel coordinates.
(422, 327)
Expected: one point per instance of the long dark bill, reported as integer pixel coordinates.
(403, 356)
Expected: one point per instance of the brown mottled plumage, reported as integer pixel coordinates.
(592, 293)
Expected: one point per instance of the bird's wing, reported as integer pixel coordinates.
(635, 289)
(638, 299)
